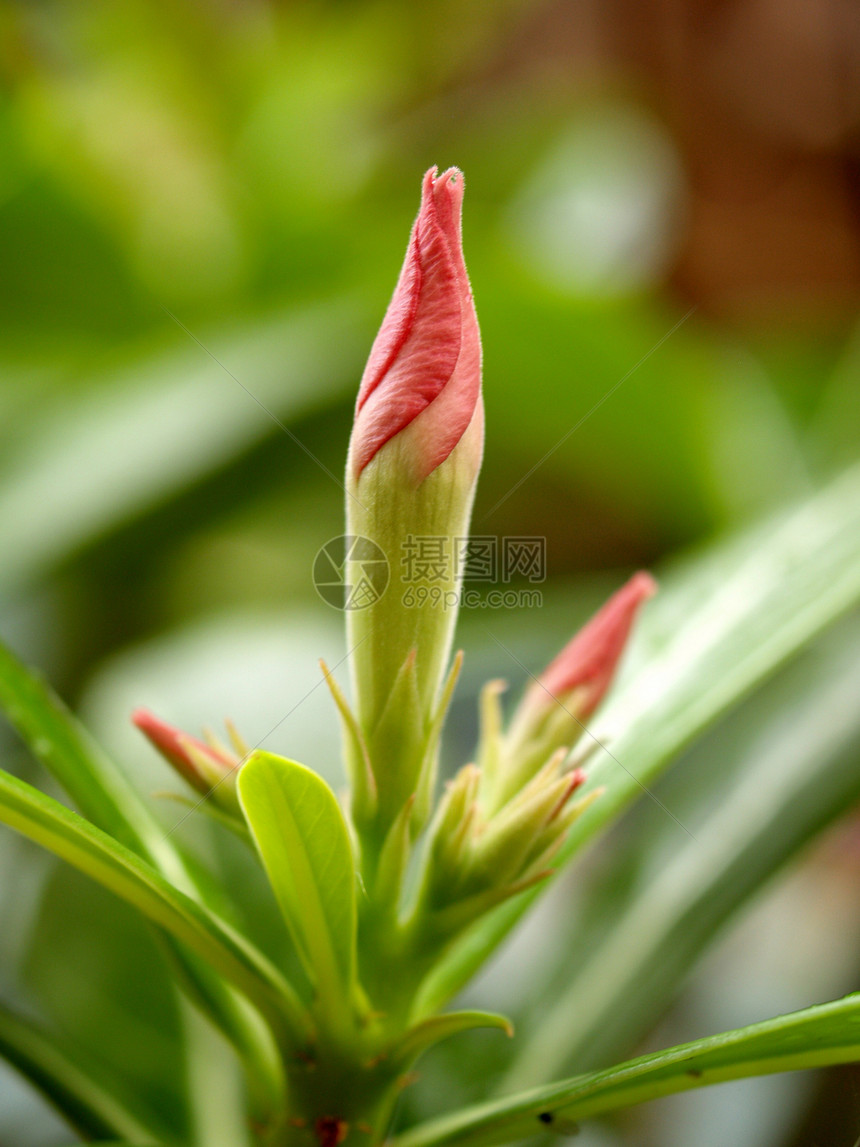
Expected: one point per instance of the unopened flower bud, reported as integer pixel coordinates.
(208, 766)
(413, 464)
(556, 705)
(475, 861)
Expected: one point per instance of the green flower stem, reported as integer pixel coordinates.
(396, 701)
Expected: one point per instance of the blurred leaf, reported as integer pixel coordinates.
(749, 441)
(302, 839)
(83, 1100)
(137, 439)
(836, 429)
(747, 609)
(65, 748)
(110, 995)
(815, 1037)
(69, 836)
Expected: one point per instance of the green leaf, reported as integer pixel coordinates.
(86, 1104)
(106, 797)
(101, 791)
(799, 774)
(303, 841)
(730, 623)
(432, 1031)
(815, 1037)
(75, 840)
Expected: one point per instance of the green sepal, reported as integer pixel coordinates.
(393, 862)
(396, 744)
(490, 739)
(429, 765)
(510, 835)
(450, 833)
(364, 796)
(429, 1032)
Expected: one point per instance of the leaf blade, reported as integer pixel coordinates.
(46, 822)
(82, 1100)
(816, 1037)
(304, 844)
(105, 796)
(100, 790)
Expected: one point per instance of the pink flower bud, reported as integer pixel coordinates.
(203, 766)
(424, 369)
(588, 662)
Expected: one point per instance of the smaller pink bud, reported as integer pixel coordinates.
(568, 691)
(204, 766)
(588, 662)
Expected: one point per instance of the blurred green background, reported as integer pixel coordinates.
(203, 209)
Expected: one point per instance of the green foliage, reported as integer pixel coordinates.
(87, 1105)
(302, 839)
(69, 836)
(812, 1038)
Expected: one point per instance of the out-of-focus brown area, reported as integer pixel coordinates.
(762, 100)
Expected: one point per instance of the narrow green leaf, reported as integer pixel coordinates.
(105, 796)
(432, 1031)
(815, 1037)
(75, 840)
(732, 621)
(84, 1102)
(303, 841)
(101, 791)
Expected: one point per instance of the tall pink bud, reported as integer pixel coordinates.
(424, 369)
(413, 464)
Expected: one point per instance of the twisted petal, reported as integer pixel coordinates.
(425, 364)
